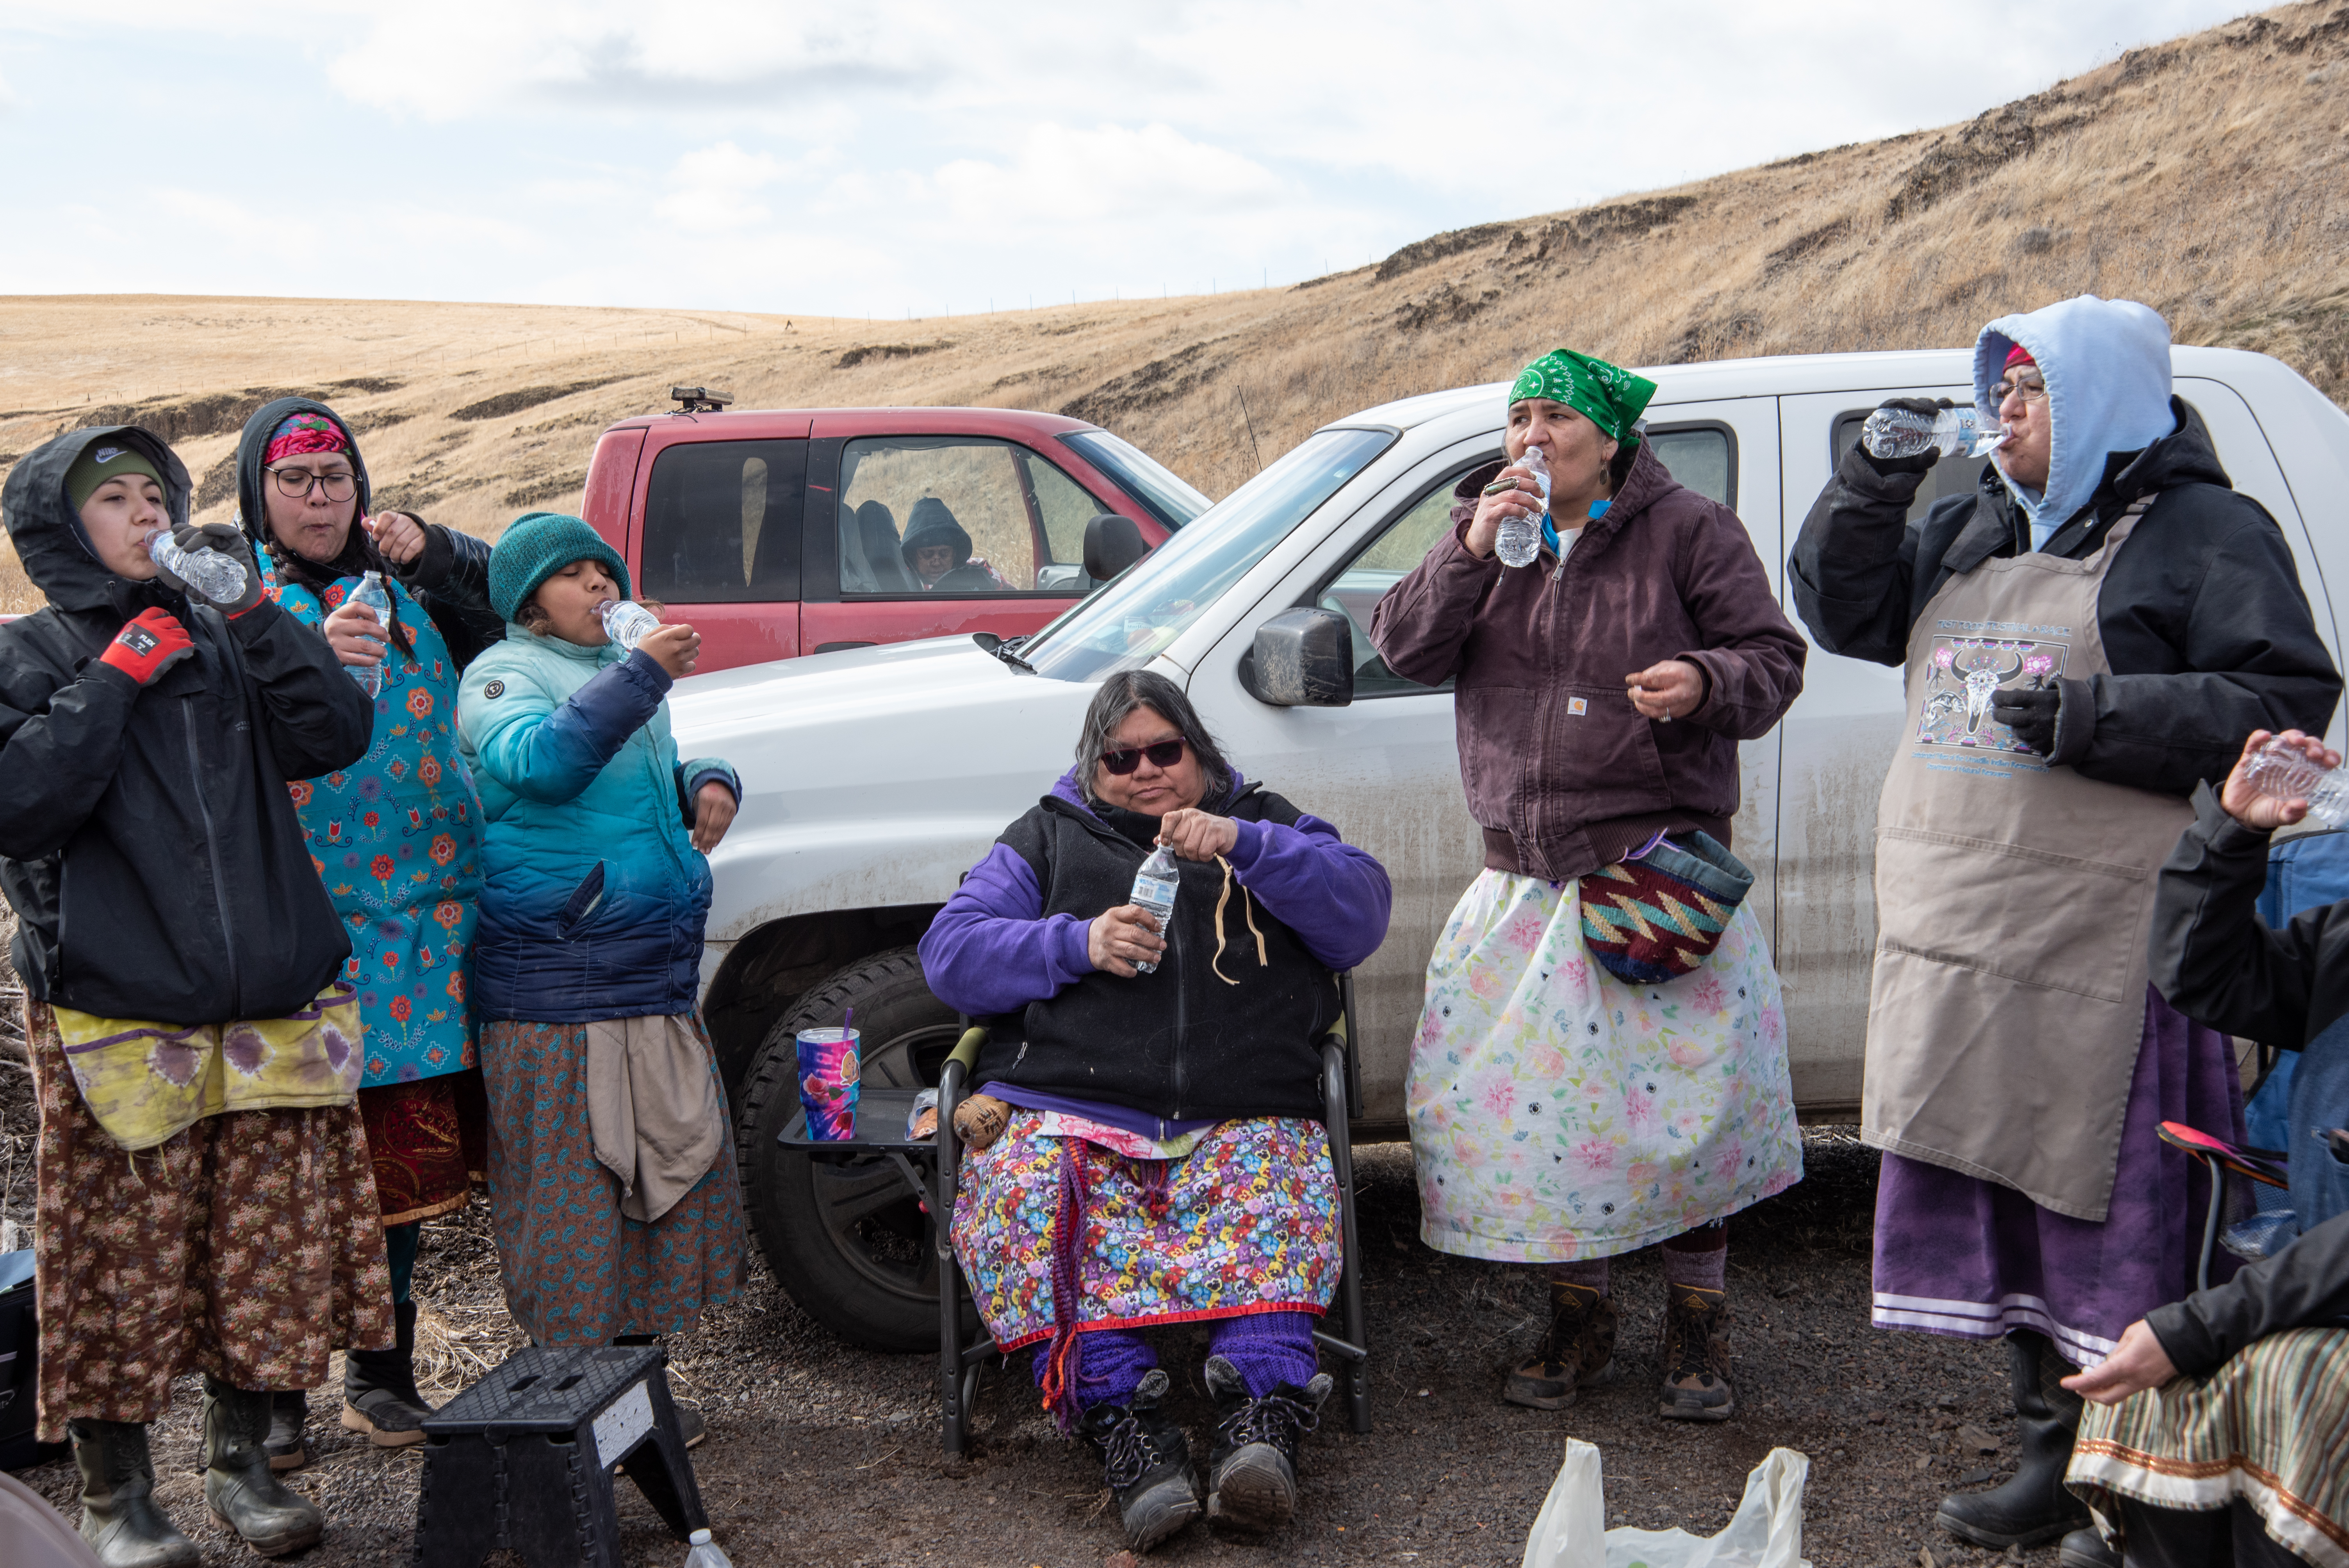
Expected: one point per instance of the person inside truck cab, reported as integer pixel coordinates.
(2086, 638)
(937, 552)
(1158, 1093)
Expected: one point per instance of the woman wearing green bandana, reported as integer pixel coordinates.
(1601, 1062)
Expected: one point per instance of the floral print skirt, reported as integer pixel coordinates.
(1557, 1112)
(429, 1142)
(577, 1271)
(247, 1245)
(1248, 1222)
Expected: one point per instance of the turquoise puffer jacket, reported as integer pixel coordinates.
(592, 897)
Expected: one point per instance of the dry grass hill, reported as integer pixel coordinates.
(2208, 177)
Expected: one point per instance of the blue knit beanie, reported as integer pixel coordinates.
(534, 547)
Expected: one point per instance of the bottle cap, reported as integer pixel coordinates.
(699, 1538)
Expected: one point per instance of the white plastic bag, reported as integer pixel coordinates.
(1766, 1531)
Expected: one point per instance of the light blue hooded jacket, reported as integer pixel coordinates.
(2106, 364)
(593, 897)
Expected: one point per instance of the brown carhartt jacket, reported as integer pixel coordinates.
(1562, 773)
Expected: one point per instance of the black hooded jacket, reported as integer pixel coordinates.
(2204, 623)
(450, 579)
(147, 840)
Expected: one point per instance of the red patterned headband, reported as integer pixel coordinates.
(305, 433)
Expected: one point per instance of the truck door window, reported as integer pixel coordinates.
(1389, 557)
(723, 522)
(957, 515)
(1701, 457)
(1951, 476)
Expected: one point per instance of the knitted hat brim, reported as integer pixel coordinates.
(538, 544)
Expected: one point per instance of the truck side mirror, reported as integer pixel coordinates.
(1301, 659)
(1111, 545)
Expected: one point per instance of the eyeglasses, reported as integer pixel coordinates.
(299, 482)
(2032, 388)
(1164, 754)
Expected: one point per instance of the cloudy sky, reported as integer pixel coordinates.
(914, 158)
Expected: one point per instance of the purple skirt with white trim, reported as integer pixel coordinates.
(1973, 1259)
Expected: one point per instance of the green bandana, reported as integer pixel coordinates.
(1607, 396)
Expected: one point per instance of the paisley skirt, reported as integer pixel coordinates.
(429, 1142)
(1245, 1222)
(1557, 1112)
(246, 1245)
(576, 1270)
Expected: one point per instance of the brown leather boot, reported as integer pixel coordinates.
(1577, 1352)
(1695, 1355)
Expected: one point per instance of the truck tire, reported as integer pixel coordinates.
(849, 1242)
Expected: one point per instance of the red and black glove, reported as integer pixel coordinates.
(151, 643)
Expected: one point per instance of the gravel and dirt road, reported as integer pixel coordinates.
(823, 1455)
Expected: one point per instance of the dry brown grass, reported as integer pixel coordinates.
(2209, 178)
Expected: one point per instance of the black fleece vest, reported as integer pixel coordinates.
(1180, 1043)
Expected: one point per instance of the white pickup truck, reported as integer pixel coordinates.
(877, 776)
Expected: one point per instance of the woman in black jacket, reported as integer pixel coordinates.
(172, 932)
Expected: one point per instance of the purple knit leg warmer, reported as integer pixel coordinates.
(1111, 1364)
(1698, 1257)
(1268, 1349)
(1590, 1273)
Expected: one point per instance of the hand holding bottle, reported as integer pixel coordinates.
(1121, 940)
(1197, 835)
(1516, 492)
(674, 648)
(398, 536)
(2263, 793)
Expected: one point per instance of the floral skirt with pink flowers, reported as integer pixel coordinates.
(1557, 1112)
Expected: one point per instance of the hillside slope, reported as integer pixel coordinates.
(2208, 177)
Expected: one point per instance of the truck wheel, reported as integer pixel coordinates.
(848, 1241)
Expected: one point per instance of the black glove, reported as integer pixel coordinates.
(2055, 721)
(2031, 714)
(225, 539)
(1929, 407)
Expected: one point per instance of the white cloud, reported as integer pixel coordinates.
(1061, 176)
(715, 189)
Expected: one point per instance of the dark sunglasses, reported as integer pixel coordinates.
(1166, 754)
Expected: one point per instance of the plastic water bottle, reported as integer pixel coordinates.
(2281, 773)
(628, 623)
(1154, 890)
(371, 594)
(1906, 433)
(706, 1552)
(1520, 539)
(219, 578)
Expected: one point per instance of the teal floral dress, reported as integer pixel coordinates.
(396, 838)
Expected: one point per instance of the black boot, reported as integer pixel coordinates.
(119, 1516)
(287, 1412)
(379, 1395)
(1252, 1469)
(2032, 1508)
(245, 1493)
(2086, 1548)
(1148, 1463)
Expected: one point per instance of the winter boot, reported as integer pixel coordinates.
(2086, 1548)
(245, 1493)
(379, 1395)
(2032, 1508)
(1252, 1469)
(119, 1516)
(1695, 1355)
(1578, 1350)
(287, 1412)
(1149, 1464)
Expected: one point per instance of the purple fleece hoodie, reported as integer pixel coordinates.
(992, 949)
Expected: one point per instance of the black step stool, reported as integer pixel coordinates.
(523, 1460)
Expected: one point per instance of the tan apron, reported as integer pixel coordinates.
(2013, 901)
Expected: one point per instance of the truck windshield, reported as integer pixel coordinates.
(1151, 602)
(1147, 480)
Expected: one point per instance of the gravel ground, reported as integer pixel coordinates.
(821, 1454)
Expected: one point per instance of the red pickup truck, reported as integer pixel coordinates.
(788, 531)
